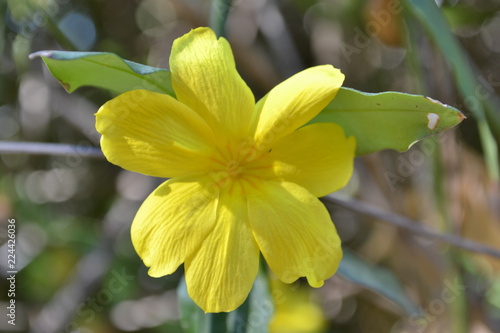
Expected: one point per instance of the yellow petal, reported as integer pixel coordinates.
(294, 232)
(153, 134)
(318, 157)
(294, 102)
(220, 275)
(173, 222)
(204, 77)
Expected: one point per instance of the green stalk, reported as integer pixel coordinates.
(218, 16)
(490, 148)
(458, 306)
(218, 322)
(239, 318)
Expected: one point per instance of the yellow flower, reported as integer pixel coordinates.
(245, 177)
(295, 309)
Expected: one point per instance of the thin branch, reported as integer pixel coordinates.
(410, 225)
(10, 147)
(42, 148)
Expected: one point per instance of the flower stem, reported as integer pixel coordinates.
(218, 16)
(240, 317)
(218, 322)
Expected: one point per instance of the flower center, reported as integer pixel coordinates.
(238, 167)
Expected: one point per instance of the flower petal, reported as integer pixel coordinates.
(204, 77)
(318, 157)
(173, 222)
(294, 102)
(153, 134)
(294, 232)
(220, 275)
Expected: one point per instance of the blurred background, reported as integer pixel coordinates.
(77, 269)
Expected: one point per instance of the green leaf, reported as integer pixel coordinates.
(388, 120)
(355, 270)
(104, 70)
(219, 9)
(258, 305)
(253, 316)
(463, 15)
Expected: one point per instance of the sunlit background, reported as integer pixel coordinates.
(77, 269)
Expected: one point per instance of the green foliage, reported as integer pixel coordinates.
(463, 15)
(378, 279)
(388, 120)
(104, 70)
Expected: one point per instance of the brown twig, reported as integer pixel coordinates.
(410, 225)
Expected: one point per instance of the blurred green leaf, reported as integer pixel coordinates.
(356, 270)
(219, 9)
(388, 120)
(20, 50)
(254, 314)
(251, 317)
(461, 15)
(104, 70)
